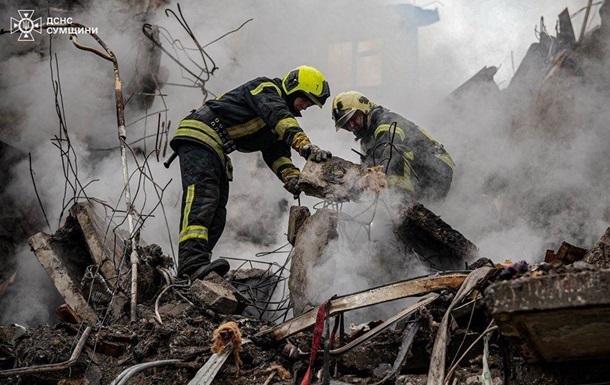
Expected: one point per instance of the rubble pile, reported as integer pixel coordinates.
(496, 323)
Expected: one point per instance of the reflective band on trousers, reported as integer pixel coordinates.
(194, 231)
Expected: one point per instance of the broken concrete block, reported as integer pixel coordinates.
(118, 306)
(438, 244)
(242, 301)
(214, 296)
(554, 317)
(315, 234)
(64, 259)
(105, 248)
(599, 255)
(298, 214)
(339, 180)
(481, 83)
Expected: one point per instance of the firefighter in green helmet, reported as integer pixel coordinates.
(415, 163)
(260, 116)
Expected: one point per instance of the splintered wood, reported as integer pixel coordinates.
(340, 180)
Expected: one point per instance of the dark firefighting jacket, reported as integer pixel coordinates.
(254, 117)
(415, 162)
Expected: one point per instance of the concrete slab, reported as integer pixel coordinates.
(49, 252)
(316, 232)
(214, 296)
(555, 317)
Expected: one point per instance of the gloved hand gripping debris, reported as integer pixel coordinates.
(291, 184)
(314, 153)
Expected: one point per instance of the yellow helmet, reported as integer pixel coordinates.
(345, 106)
(308, 81)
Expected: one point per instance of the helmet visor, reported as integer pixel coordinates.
(342, 117)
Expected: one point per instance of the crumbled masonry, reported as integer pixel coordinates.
(559, 314)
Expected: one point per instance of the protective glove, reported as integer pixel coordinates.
(315, 153)
(291, 184)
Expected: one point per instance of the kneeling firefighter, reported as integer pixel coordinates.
(416, 164)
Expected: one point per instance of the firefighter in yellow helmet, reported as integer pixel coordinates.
(256, 116)
(414, 162)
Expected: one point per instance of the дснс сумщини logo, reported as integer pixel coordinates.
(25, 26)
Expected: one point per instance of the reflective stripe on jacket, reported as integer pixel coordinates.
(256, 117)
(413, 159)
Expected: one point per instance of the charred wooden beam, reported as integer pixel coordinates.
(67, 314)
(437, 243)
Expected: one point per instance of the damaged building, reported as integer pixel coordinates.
(365, 289)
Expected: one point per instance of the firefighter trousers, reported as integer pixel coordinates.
(204, 199)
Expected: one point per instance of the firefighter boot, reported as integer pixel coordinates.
(219, 266)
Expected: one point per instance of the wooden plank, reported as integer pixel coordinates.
(408, 288)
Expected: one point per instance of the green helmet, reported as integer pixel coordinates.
(345, 106)
(309, 82)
